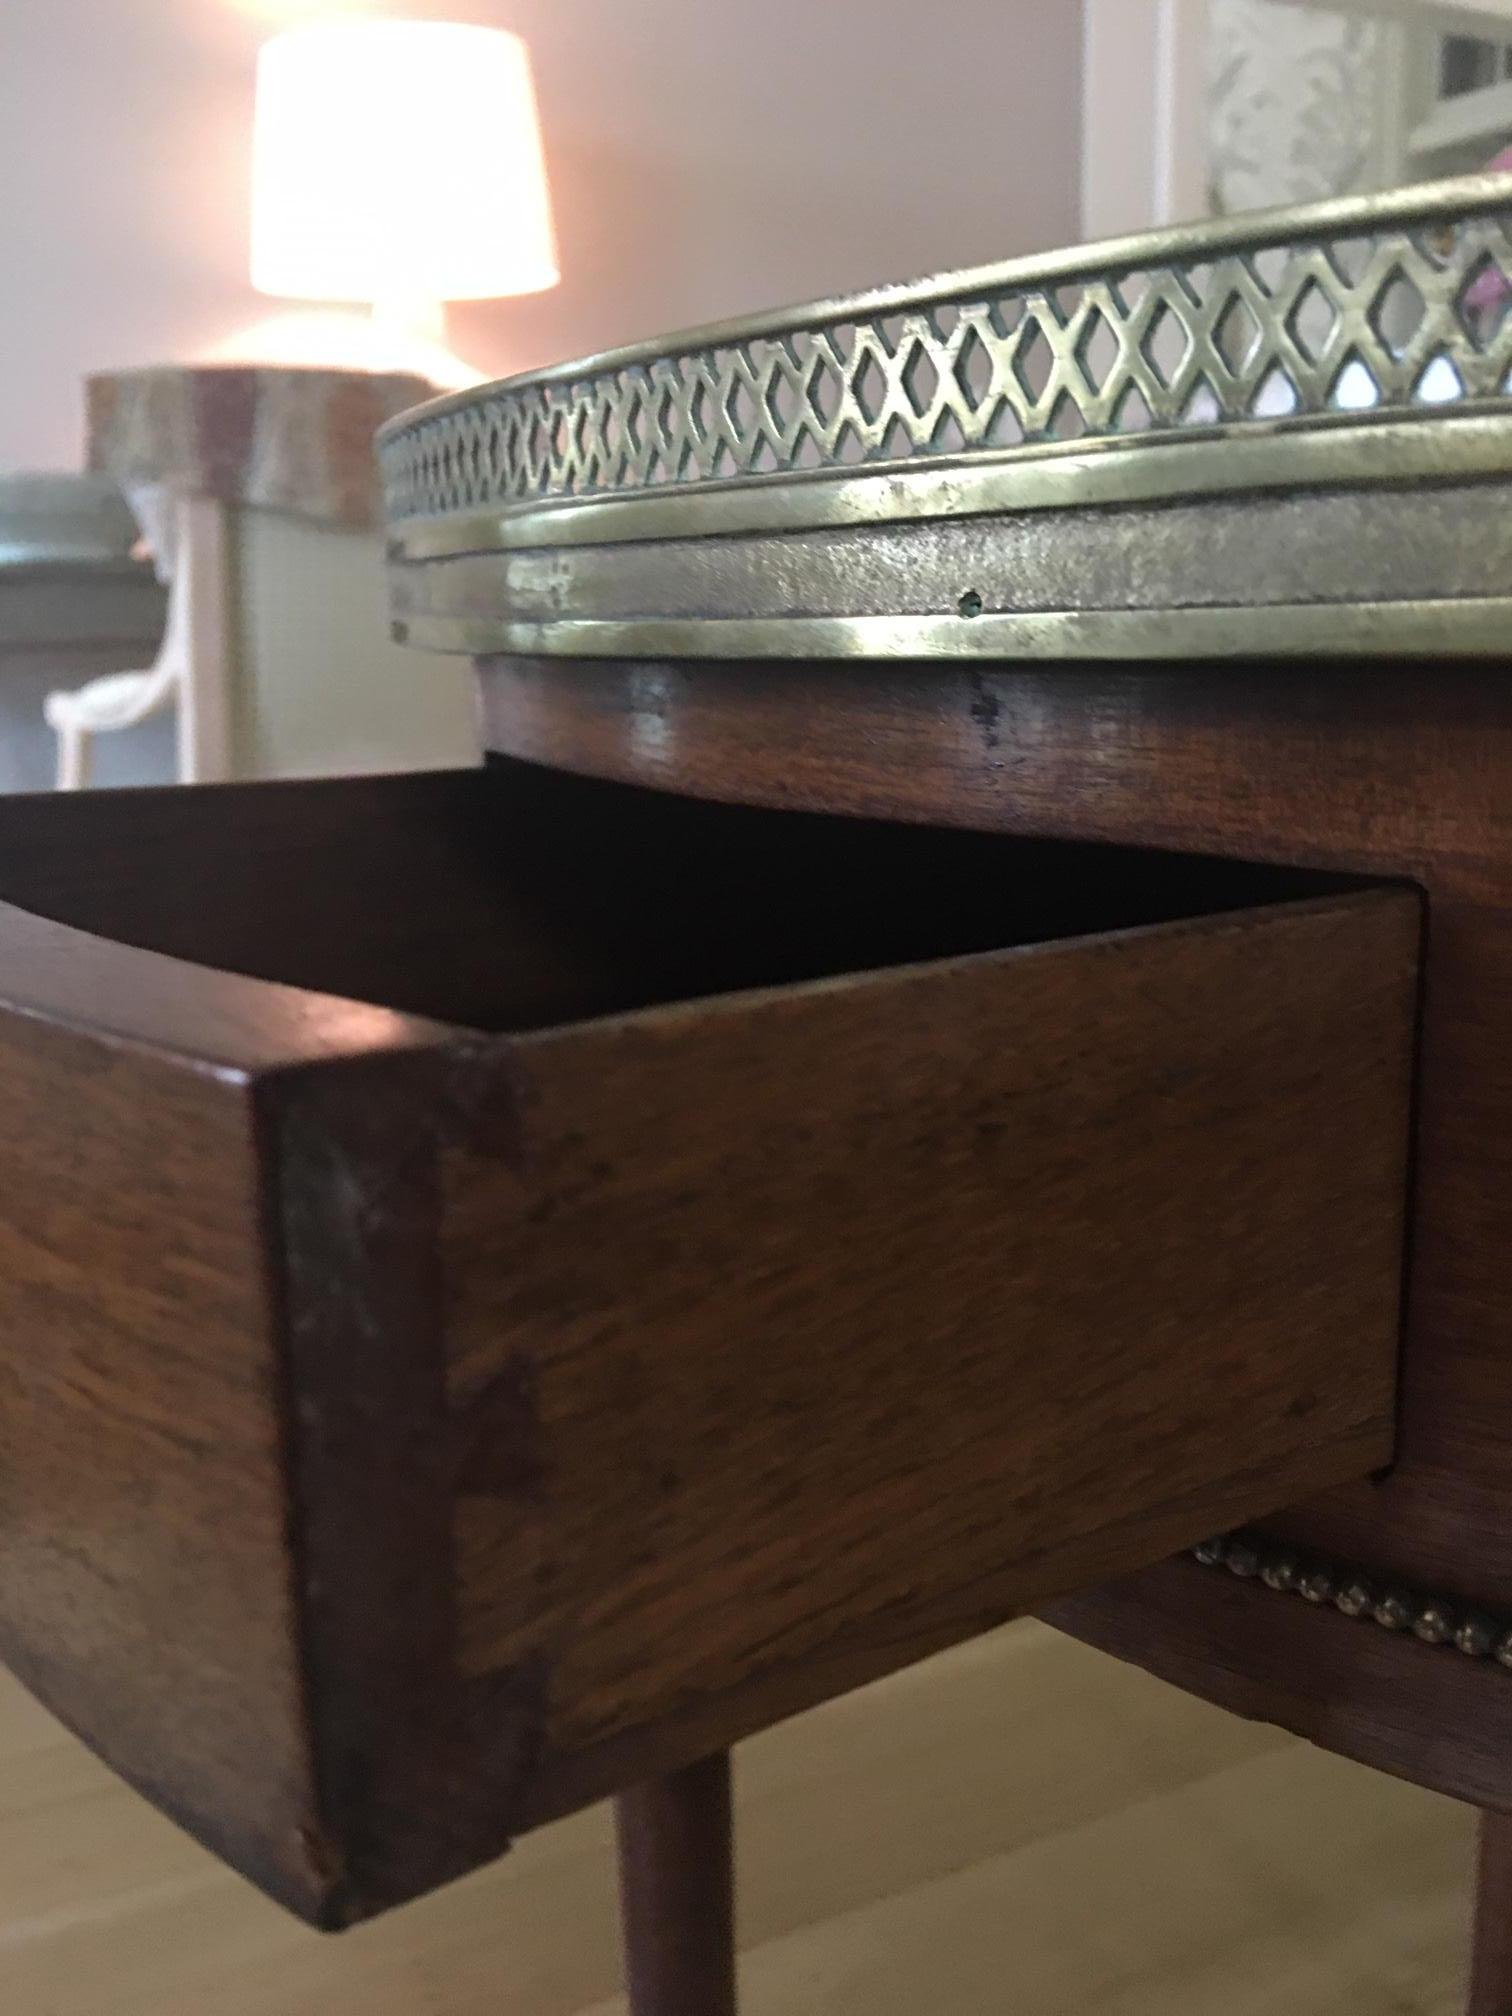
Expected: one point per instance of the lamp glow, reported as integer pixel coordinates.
(399, 163)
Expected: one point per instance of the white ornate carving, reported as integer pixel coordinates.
(1294, 102)
(187, 537)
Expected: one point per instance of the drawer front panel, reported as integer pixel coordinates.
(848, 1310)
(630, 1320)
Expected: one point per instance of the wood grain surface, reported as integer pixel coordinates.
(1386, 769)
(423, 1426)
(809, 1331)
(145, 1590)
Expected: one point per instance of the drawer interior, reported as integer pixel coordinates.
(513, 898)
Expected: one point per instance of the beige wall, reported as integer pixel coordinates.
(707, 156)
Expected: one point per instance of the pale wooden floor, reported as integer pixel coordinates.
(1022, 1828)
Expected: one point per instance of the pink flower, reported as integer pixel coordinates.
(1491, 288)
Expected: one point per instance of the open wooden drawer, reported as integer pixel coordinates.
(509, 1282)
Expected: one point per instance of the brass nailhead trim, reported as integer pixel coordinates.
(1436, 1620)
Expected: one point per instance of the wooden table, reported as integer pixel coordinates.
(807, 1155)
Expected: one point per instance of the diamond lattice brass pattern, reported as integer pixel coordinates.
(1397, 318)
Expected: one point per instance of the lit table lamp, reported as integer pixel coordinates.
(397, 164)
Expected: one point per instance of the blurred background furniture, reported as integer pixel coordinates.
(75, 605)
(256, 489)
(1196, 107)
(252, 476)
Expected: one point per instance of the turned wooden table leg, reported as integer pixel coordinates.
(1491, 1950)
(677, 1904)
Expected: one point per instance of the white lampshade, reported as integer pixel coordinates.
(398, 161)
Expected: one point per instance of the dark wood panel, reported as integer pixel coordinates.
(1396, 770)
(146, 1586)
(1431, 1714)
(677, 1898)
(495, 1421)
(966, 1274)
(1491, 1957)
(1380, 768)
(518, 896)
